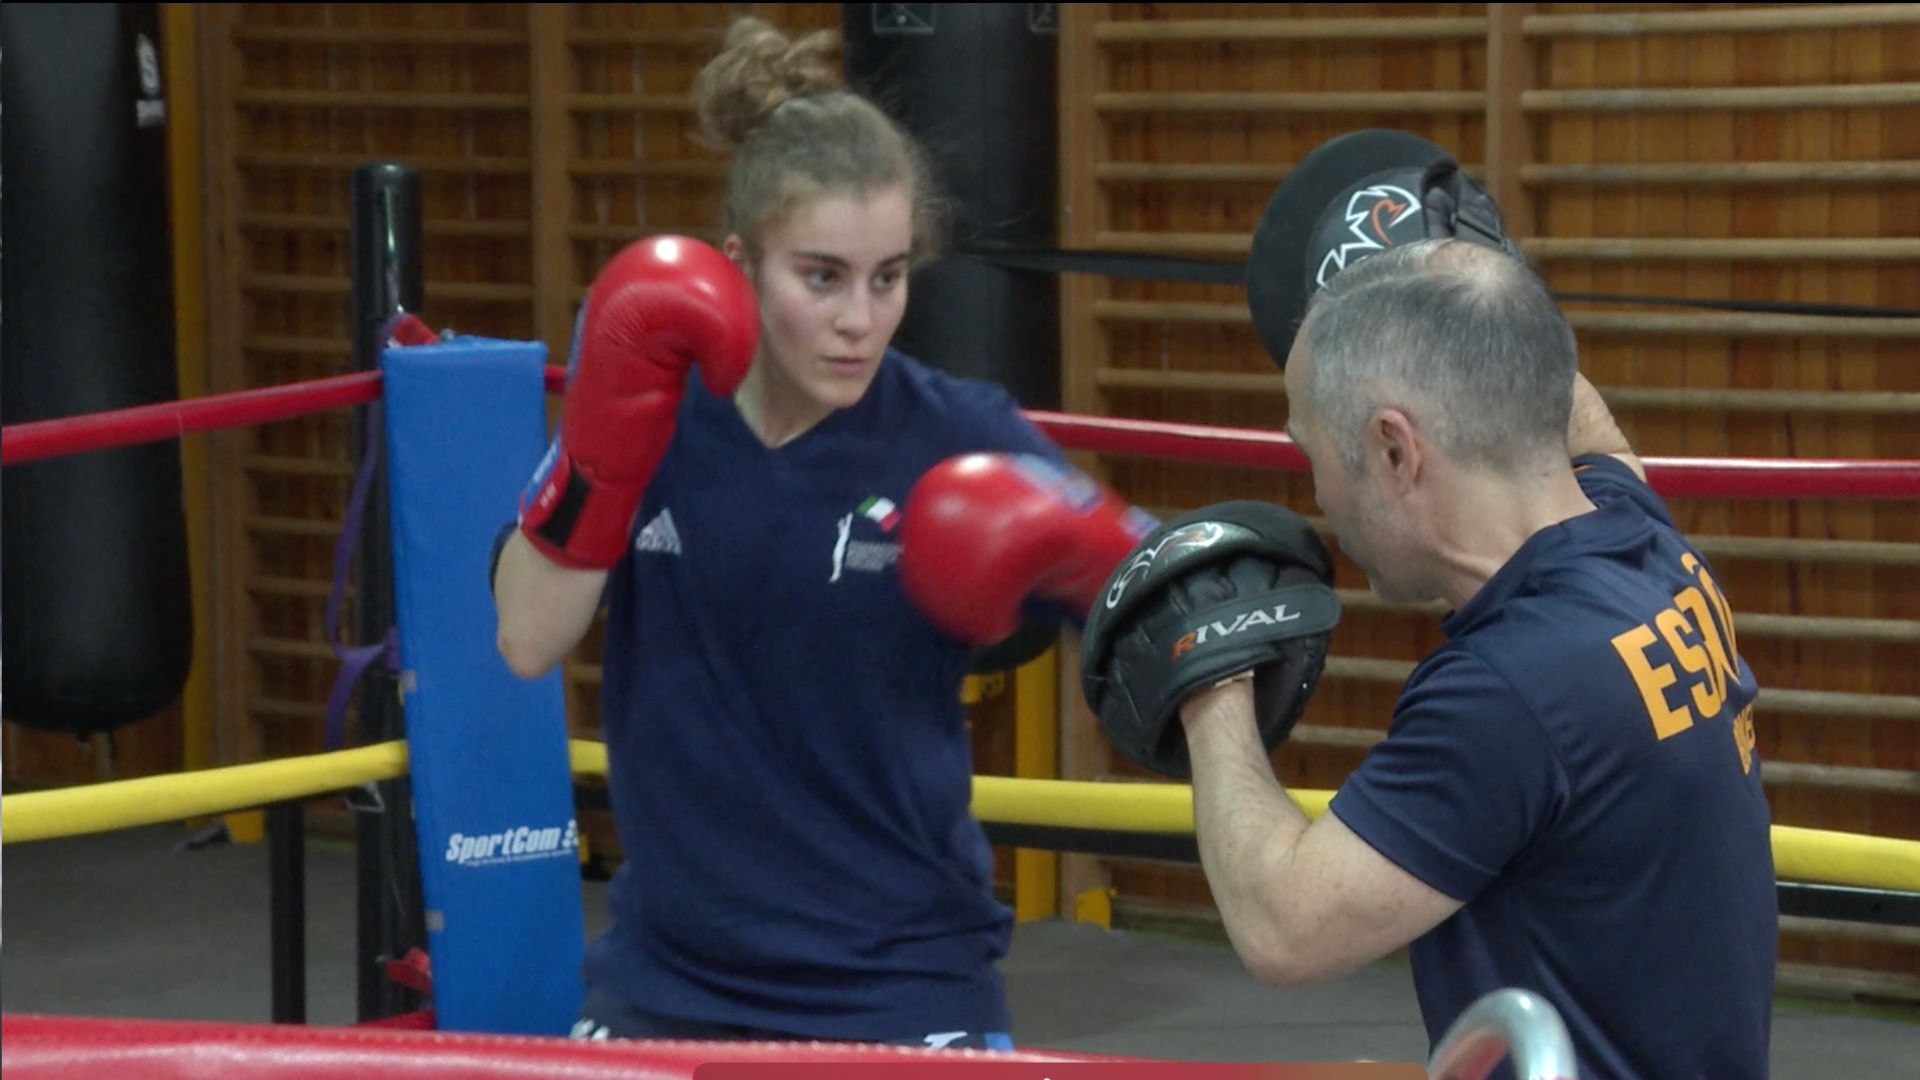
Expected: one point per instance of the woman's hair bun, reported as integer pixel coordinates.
(758, 70)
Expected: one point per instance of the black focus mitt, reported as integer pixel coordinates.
(1350, 198)
(1228, 588)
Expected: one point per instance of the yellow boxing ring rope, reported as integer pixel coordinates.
(1812, 855)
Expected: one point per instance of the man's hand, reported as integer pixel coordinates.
(1225, 703)
(1591, 428)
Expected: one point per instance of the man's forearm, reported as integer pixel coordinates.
(1247, 827)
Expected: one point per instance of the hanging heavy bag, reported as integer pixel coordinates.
(98, 615)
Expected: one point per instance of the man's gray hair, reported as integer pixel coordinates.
(1463, 338)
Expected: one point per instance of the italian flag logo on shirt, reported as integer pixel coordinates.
(881, 512)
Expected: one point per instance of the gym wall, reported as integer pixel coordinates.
(1708, 151)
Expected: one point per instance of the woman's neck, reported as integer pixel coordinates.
(774, 410)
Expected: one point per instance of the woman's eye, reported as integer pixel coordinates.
(886, 279)
(820, 279)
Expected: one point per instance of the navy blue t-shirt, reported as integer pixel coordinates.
(1576, 766)
(790, 764)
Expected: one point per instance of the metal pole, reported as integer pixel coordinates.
(386, 279)
(1506, 1022)
(287, 877)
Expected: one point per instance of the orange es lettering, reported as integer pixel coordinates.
(1692, 632)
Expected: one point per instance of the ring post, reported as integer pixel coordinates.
(488, 757)
(386, 278)
(287, 880)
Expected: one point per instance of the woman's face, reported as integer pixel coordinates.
(832, 286)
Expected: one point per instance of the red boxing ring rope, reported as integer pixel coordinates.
(21, 443)
(1673, 477)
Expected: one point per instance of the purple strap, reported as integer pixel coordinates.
(354, 659)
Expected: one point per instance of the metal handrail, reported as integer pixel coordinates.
(1503, 1022)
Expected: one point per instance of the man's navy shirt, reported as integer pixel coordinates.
(1576, 766)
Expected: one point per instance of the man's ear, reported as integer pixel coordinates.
(1397, 446)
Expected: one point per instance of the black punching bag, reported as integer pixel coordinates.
(98, 615)
(976, 84)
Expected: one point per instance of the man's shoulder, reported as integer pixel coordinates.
(1534, 644)
(1607, 478)
(1541, 655)
(1460, 677)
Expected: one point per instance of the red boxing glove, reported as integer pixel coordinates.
(983, 532)
(661, 306)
